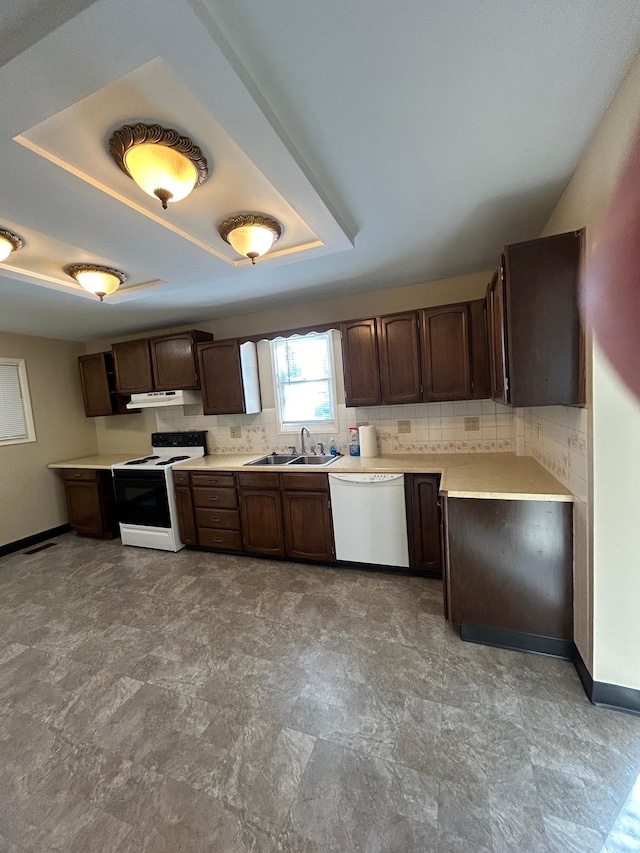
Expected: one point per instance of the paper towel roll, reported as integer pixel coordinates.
(368, 441)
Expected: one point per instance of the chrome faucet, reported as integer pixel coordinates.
(302, 432)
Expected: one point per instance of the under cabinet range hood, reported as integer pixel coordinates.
(161, 399)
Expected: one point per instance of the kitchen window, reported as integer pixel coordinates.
(16, 419)
(304, 382)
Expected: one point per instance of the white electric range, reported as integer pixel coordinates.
(145, 494)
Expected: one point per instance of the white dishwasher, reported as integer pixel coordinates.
(369, 518)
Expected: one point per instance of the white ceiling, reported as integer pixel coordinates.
(412, 139)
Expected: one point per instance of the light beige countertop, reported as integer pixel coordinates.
(102, 461)
(469, 475)
(465, 475)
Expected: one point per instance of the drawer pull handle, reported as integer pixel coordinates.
(215, 518)
(214, 498)
(218, 540)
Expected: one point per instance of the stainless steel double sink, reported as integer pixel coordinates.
(282, 459)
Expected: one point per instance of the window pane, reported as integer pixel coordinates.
(306, 401)
(304, 381)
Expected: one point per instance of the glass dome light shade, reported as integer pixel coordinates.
(160, 171)
(251, 240)
(6, 247)
(99, 283)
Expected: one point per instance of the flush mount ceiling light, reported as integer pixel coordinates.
(103, 281)
(161, 162)
(251, 234)
(9, 242)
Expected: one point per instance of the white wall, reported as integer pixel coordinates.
(611, 571)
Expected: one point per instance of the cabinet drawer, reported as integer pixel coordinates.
(218, 498)
(306, 482)
(181, 478)
(229, 519)
(80, 474)
(213, 479)
(229, 540)
(259, 480)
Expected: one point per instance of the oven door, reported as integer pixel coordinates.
(141, 498)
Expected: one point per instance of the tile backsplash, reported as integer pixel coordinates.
(432, 428)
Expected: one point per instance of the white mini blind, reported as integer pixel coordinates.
(15, 408)
(304, 380)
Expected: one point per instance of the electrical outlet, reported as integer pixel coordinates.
(235, 432)
(404, 426)
(471, 424)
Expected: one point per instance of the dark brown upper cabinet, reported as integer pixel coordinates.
(456, 365)
(229, 377)
(98, 383)
(162, 363)
(132, 361)
(536, 338)
(399, 358)
(447, 355)
(360, 363)
(174, 360)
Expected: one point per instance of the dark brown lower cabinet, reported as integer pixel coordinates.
(423, 522)
(509, 566)
(261, 515)
(186, 520)
(308, 531)
(91, 502)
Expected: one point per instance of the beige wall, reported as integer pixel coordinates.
(31, 496)
(613, 549)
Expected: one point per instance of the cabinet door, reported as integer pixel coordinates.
(174, 362)
(360, 362)
(261, 514)
(498, 339)
(423, 522)
(480, 379)
(186, 520)
(307, 526)
(132, 364)
(543, 320)
(221, 378)
(399, 356)
(95, 385)
(447, 353)
(91, 502)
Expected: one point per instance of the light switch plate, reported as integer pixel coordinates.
(235, 432)
(471, 424)
(404, 426)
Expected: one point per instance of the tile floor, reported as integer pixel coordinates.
(174, 703)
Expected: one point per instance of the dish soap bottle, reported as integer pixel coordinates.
(333, 450)
(354, 441)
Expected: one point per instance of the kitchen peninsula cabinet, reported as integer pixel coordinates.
(90, 502)
(508, 572)
(536, 344)
(229, 377)
(161, 363)
(97, 378)
(423, 522)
